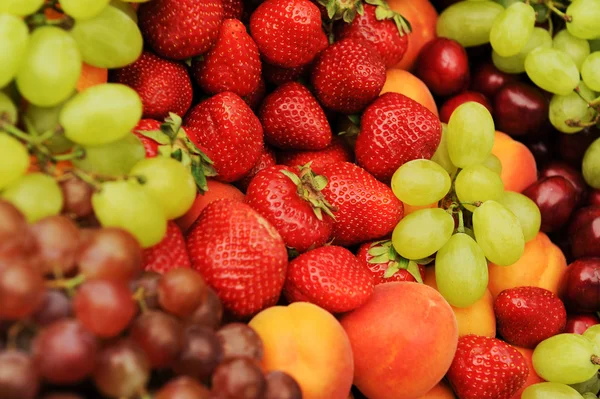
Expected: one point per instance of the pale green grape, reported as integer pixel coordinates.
(591, 385)
(552, 70)
(590, 395)
(83, 9)
(101, 114)
(493, 163)
(125, 204)
(471, 134)
(51, 67)
(499, 233)
(550, 390)
(461, 271)
(594, 45)
(127, 8)
(44, 119)
(516, 64)
(585, 15)
(169, 182)
(525, 210)
(591, 164)
(36, 195)
(571, 107)
(590, 71)
(441, 156)
(113, 159)
(565, 358)
(575, 47)
(421, 233)
(109, 40)
(420, 182)
(8, 110)
(468, 22)
(512, 28)
(507, 3)
(478, 183)
(593, 333)
(14, 36)
(14, 160)
(20, 7)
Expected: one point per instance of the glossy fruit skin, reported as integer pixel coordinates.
(378, 269)
(556, 198)
(572, 147)
(487, 80)
(594, 198)
(584, 232)
(454, 102)
(520, 109)
(146, 125)
(581, 285)
(394, 130)
(578, 323)
(444, 66)
(337, 151)
(557, 168)
(169, 253)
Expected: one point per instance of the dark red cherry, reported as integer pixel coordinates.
(578, 323)
(466, 96)
(557, 168)
(444, 66)
(556, 198)
(487, 79)
(571, 147)
(520, 109)
(581, 285)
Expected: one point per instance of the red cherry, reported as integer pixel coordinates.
(452, 103)
(557, 168)
(520, 109)
(581, 285)
(556, 198)
(488, 79)
(594, 198)
(444, 66)
(578, 323)
(571, 147)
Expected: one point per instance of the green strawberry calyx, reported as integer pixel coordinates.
(384, 12)
(345, 10)
(384, 252)
(309, 186)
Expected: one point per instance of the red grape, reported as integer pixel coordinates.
(77, 196)
(57, 238)
(55, 306)
(238, 339)
(200, 353)
(181, 291)
(148, 281)
(18, 376)
(183, 388)
(210, 313)
(21, 289)
(62, 396)
(160, 335)
(282, 386)
(14, 233)
(238, 378)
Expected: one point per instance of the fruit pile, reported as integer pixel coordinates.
(246, 199)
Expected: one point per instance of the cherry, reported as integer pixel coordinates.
(585, 237)
(452, 103)
(574, 177)
(578, 323)
(572, 146)
(543, 151)
(582, 285)
(594, 197)
(444, 66)
(556, 198)
(520, 109)
(488, 80)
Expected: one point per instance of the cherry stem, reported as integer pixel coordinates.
(552, 7)
(595, 359)
(140, 297)
(68, 284)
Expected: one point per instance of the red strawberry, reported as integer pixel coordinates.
(168, 254)
(386, 266)
(291, 200)
(147, 125)
(181, 29)
(330, 277)
(383, 28)
(232, 64)
(395, 129)
(240, 255)
(348, 75)
(293, 119)
(233, 9)
(337, 151)
(366, 208)
(288, 32)
(278, 75)
(486, 368)
(267, 158)
(230, 133)
(528, 315)
(255, 99)
(163, 85)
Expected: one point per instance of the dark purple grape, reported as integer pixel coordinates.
(238, 378)
(181, 291)
(148, 281)
(238, 339)
(55, 306)
(77, 196)
(210, 313)
(183, 388)
(281, 385)
(57, 239)
(200, 353)
(160, 335)
(18, 376)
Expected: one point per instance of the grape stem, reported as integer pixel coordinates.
(594, 103)
(578, 123)
(68, 284)
(552, 6)
(461, 222)
(140, 297)
(595, 359)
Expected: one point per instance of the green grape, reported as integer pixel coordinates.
(127, 8)
(493, 163)
(109, 40)
(441, 156)
(585, 15)
(478, 183)
(51, 67)
(565, 359)
(575, 47)
(113, 159)
(525, 210)
(516, 63)
(590, 71)
(461, 271)
(169, 182)
(590, 395)
(594, 45)
(8, 110)
(512, 28)
(571, 107)
(36, 195)
(507, 3)
(550, 390)
(421, 233)
(125, 204)
(83, 9)
(542, 13)
(499, 233)
(14, 160)
(14, 36)
(471, 134)
(420, 182)
(20, 7)
(552, 70)
(593, 333)
(468, 22)
(591, 165)
(101, 114)
(591, 385)
(43, 119)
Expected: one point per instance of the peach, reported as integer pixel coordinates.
(542, 265)
(440, 391)
(410, 208)
(309, 343)
(533, 378)
(519, 170)
(91, 76)
(404, 82)
(403, 339)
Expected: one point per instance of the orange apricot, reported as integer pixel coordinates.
(532, 378)
(519, 169)
(404, 82)
(440, 391)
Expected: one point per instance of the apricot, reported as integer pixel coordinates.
(542, 265)
(410, 208)
(91, 76)
(532, 378)
(308, 343)
(519, 169)
(440, 391)
(403, 339)
(404, 82)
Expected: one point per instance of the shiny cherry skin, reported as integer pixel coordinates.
(572, 147)
(581, 285)
(542, 149)
(557, 168)
(444, 66)
(585, 240)
(582, 217)
(520, 109)
(556, 198)
(578, 323)
(593, 197)
(466, 96)
(488, 80)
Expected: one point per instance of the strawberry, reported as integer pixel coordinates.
(232, 64)
(240, 255)
(386, 30)
(288, 32)
(334, 10)
(233, 9)
(330, 277)
(169, 253)
(230, 133)
(267, 158)
(528, 315)
(278, 75)
(255, 99)
(180, 29)
(366, 208)
(348, 75)
(337, 151)
(293, 119)
(395, 129)
(386, 266)
(147, 125)
(486, 368)
(291, 200)
(164, 86)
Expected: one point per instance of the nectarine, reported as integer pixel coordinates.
(519, 169)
